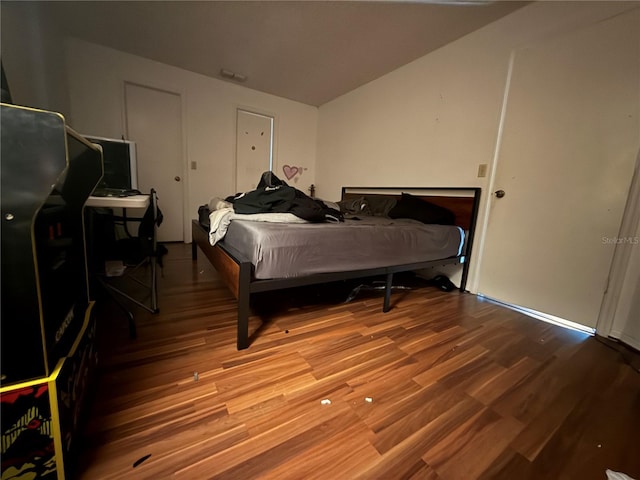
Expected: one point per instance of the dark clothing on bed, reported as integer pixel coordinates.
(275, 196)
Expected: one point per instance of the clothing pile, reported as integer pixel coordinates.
(272, 201)
(274, 196)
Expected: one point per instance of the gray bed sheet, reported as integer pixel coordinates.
(280, 250)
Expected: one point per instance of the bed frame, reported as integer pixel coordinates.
(237, 271)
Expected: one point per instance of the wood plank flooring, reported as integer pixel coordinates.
(444, 386)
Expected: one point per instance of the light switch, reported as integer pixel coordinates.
(194, 165)
(482, 170)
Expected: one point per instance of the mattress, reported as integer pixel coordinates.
(281, 250)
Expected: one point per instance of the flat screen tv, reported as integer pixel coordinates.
(120, 166)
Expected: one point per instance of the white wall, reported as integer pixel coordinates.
(433, 121)
(96, 85)
(33, 57)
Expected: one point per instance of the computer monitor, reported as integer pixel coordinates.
(120, 166)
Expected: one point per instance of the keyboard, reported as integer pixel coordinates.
(115, 192)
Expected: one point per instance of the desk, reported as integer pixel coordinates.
(136, 202)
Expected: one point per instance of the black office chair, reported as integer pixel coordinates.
(136, 251)
(139, 252)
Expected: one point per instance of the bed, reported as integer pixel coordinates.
(258, 256)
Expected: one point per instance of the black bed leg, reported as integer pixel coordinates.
(194, 250)
(387, 293)
(243, 327)
(465, 273)
(244, 308)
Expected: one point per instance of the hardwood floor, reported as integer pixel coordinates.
(444, 386)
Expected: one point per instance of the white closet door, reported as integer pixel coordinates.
(254, 148)
(571, 134)
(626, 322)
(154, 122)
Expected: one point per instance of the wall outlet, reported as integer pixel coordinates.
(482, 170)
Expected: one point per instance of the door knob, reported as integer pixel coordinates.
(177, 178)
(499, 193)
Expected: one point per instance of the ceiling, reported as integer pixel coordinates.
(308, 51)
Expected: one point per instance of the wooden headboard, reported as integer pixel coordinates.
(463, 201)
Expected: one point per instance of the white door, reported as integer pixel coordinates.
(154, 122)
(571, 133)
(626, 324)
(254, 148)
